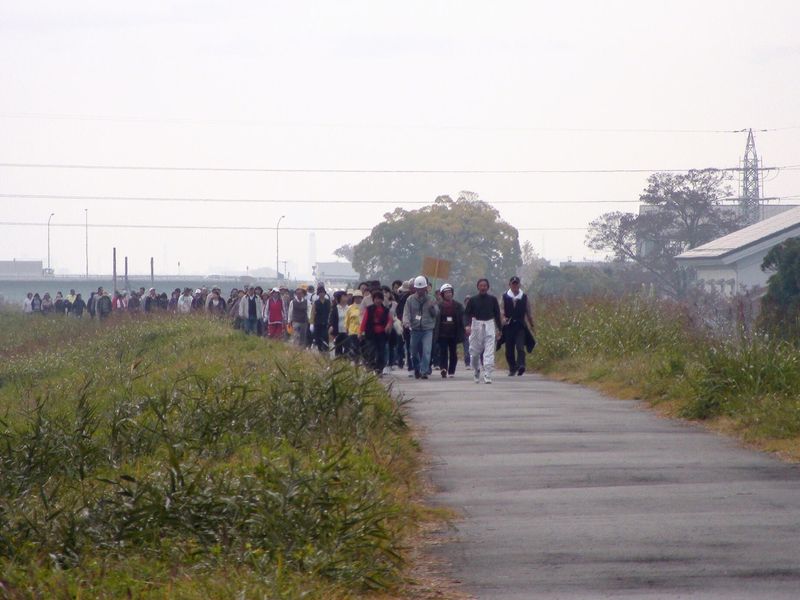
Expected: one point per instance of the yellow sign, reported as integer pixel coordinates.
(436, 268)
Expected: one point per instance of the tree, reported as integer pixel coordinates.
(345, 252)
(470, 234)
(781, 304)
(532, 265)
(680, 211)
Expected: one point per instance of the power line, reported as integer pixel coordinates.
(185, 121)
(74, 166)
(229, 227)
(309, 201)
(286, 201)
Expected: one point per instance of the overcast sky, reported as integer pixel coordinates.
(370, 85)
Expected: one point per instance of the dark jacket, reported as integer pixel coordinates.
(333, 319)
(458, 322)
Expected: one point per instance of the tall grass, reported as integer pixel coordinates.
(191, 451)
(653, 349)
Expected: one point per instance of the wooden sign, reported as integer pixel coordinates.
(435, 268)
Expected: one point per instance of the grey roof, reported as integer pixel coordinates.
(738, 240)
(333, 270)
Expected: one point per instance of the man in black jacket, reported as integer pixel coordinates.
(320, 313)
(516, 314)
(483, 325)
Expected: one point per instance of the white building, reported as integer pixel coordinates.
(732, 263)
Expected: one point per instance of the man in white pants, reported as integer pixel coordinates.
(483, 326)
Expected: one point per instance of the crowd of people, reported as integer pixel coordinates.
(407, 325)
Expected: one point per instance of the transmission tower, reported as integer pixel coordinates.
(750, 197)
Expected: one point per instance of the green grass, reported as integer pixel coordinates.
(178, 458)
(649, 349)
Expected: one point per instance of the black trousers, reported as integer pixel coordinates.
(376, 351)
(340, 344)
(515, 347)
(448, 354)
(321, 337)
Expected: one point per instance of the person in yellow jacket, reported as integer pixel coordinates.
(353, 323)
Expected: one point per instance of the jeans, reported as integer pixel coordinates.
(250, 325)
(421, 342)
(466, 351)
(300, 331)
(448, 354)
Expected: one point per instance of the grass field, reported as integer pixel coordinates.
(746, 385)
(177, 458)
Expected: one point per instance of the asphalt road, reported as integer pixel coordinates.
(566, 493)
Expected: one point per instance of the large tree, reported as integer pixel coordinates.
(780, 307)
(468, 233)
(679, 211)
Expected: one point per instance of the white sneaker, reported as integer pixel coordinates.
(487, 379)
(476, 376)
(386, 370)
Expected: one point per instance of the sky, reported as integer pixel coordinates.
(369, 86)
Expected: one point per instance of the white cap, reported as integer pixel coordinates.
(420, 283)
(445, 287)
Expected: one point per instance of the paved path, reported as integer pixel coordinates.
(569, 494)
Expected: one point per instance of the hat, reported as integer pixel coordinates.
(514, 279)
(358, 294)
(276, 290)
(405, 287)
(445, 288)
(420, 283)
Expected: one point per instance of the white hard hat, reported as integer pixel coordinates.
(445, 287)
(420, 283)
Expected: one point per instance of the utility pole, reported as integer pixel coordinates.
(152, 272)
(114, 267)
(278, 248)
(750, 197)
(86, 229)
(49, 271)
(127, 284)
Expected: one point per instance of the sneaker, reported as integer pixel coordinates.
(386, 370)
(487, 379)
(425, 376)
(476, 376)
(444, 373)
(512, 373)
(521, 371)
(416, 375)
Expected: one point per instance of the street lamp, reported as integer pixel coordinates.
(48, 241)
(278, 248)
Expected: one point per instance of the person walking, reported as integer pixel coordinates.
(353, 322)
(419, 317)
(337, 322)
(298, 314)
(450, 330)
(404, 338)
(216, 303)
(77, 307)
(320, 314)
(517, 316)
(483, 326)
(375, 327)
(275, 315)
(465, 344)
(103, 305)
(184, 302)
(250, 309)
